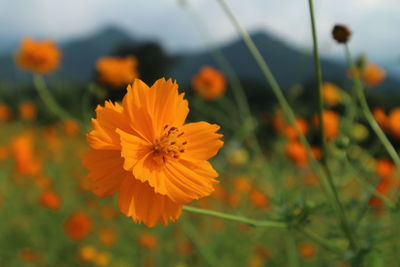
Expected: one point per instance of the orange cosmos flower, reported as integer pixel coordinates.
(307, 250)
(381, 117)
(331, 124)
(394, 122)
(372, 74)
(384, 168)
(258, 199)
(209, 83)
(290, 131)
(148, 241)
(38, 57)
(50, 199)
(297, 153)
(143, 150)
(5, 113)
(27, 111)
(78, 226)
(70, 127)
(25, 159)
(117, 72)
(330, 94)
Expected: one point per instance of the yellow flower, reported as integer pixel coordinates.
(331, 94)
(38, 57)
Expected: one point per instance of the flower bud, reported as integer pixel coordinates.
(341, 33)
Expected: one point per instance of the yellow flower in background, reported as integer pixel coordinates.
(41, 57)
(117, 72)
(209, 83)
(143, 150)
(330, 94)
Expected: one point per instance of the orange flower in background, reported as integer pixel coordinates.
(38, 57)
(143, 150)
(259, 199)
(209, 83)
(394, 122)
(290, 131)
(5, 113)
(78, 226)
(70, 127)
(242, 184)
(372, 74)
(331, 124)
(297, 153)
(381, 117)
(148, 241)
(330, 94)
(107, 237)
(27, 111)
(384, 168)
(117, 72)
(23, 151)
(50, 199)
(307, 250)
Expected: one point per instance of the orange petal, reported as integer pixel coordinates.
(202, 140)
(105, 170)
(108, 118)
(133, 149)
(139, 201)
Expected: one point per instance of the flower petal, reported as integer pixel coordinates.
(133, 149)
(105, 170)
(202, 140)
(108, 118)
(139, 201)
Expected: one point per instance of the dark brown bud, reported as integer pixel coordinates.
(341, 33)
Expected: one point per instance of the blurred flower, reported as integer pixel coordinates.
(87, 253)
(38, 57)
(185, 248)
(259, 199)
(290, 131)
(394, 122)
(238, 157)
(117, 72)
(148, 241)
(297, 153)
(359, 132)
(70, 127)
(372, 74)
(5, 112)
(27, 111)
(331, 124)
(23, 152)
(50, 199)
(4, 153)
(102, 259)
(78, 226)
(28, 255)
(310, 179)
(242, 185)
(233, 199)
(330, 94)
(278, 122)
(107, 237)
(384, 168)
(381, 117)
(307, 250)
(383, 188)
(209, 83)
(144, 151)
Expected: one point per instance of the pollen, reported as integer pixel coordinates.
(170, 145)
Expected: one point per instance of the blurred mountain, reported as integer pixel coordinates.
(289, 65)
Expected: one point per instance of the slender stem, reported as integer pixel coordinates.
(48, 99)
(292, 256)
(342, 215)
(325, 243)
(367, 112)
(240, 219)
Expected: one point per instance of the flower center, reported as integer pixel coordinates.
(169, 145)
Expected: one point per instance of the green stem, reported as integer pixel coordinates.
(325, 243)
(293, 259)
(342, 215)
(367, 112)
(239, 219)
(48, 99)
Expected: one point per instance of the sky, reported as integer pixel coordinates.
(374, 23)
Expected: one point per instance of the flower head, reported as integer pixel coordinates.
(78, 226)
(117, 72)
(143, 150)
(209, 83)
(38, 57)
(27, 111)
(331, 94)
